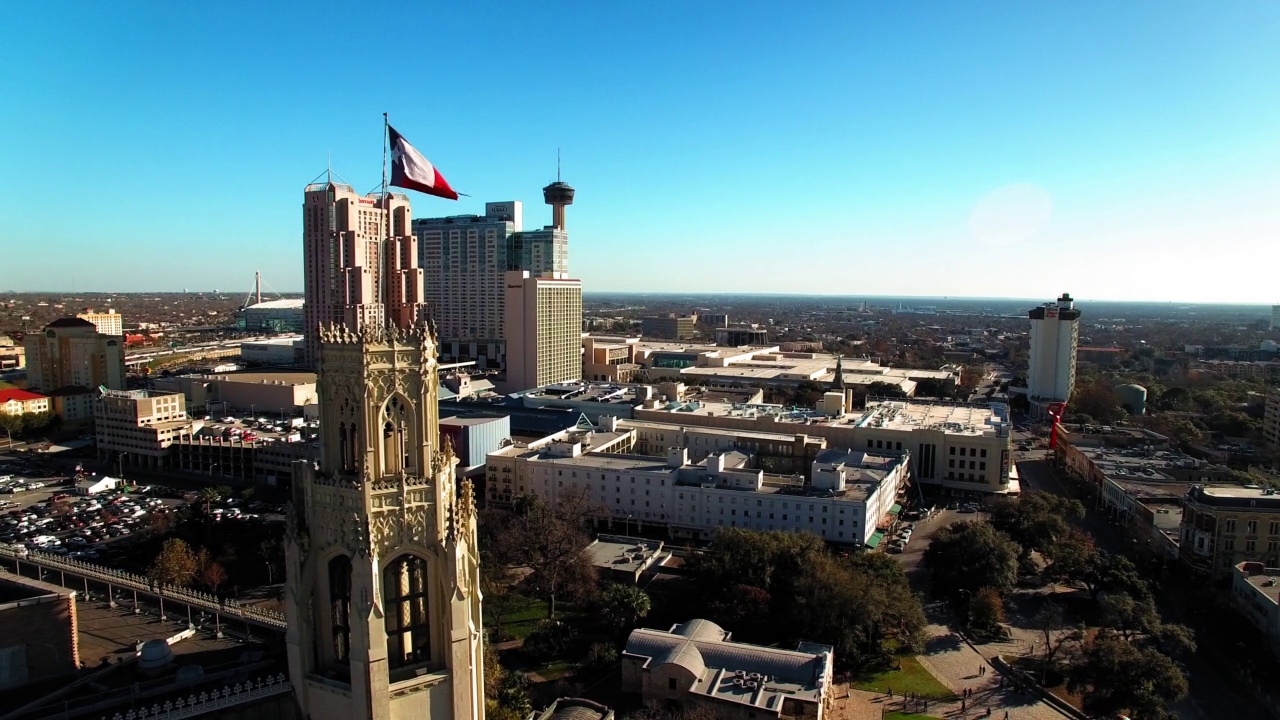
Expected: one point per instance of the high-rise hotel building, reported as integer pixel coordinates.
(544, 330)
(466, 258)
(1055, 336)
(353, 272)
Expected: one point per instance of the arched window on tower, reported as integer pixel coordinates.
(340, 612)
(404, 589)
(395, 437)
(344, 448)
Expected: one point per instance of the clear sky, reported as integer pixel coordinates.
(1115, 150)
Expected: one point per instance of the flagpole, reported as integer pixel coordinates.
(384, 281)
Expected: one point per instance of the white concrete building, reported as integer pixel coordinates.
(850, 496)
(1055, 336)
(543, 329)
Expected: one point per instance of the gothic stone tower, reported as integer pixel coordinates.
(383, 594)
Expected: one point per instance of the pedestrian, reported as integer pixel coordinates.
(962, 702)
(890, 690)
(926, 706)
(1006, 715)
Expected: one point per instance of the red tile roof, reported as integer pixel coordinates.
(19, 395)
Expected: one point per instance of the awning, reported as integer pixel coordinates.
(875, 539)
(897, 508)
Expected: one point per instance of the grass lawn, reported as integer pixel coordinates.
(526, 615)
(555, 669)
(909, 716)
(911, 677)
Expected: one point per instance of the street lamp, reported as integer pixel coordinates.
(628, 526)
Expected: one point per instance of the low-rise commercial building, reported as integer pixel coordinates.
(17, 402)
(697, 665)
(284, 351)
(1224, 526)
(609, 360)
(595, 400)
(257, 462)
(762, 366)
(137, 427)
(272, 392)
(12, 356)
(961, 448)
(776, 453)
(624, 559)
(740, 335)
(671, 326)
(473, 438)
(1141, 485)
(1255, 590)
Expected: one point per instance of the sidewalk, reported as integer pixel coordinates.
(958, 666)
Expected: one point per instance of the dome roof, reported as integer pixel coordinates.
(154, 654)
(699, 629)
(685, 655)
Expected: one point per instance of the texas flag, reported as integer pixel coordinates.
(409, 169)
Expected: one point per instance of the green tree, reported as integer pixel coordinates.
(785, 587)
(208, 496)
(622, 606)
(1116, 677)
(175, 565)
(1129, 616)
(1036, 520)
(970, 556)
(1098, 400)
(1079, 561)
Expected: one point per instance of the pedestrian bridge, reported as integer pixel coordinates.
(114, 582)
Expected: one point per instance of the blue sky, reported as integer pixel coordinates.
(1114, 150)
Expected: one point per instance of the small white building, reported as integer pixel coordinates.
(96, 485)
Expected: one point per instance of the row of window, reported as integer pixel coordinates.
(1250, 527)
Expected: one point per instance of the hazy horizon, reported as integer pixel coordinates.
(1032, 302)
(1117, 150)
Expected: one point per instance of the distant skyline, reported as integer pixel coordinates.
(1118, 151)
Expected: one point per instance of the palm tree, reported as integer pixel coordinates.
(209, 496)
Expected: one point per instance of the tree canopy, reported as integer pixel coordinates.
(968, 556)
(776, 587)
(1036, 520)
(1116, 676)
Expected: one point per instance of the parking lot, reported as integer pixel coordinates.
(40, 511)
(257, 429)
